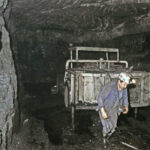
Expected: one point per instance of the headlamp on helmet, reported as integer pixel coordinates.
(124, 77)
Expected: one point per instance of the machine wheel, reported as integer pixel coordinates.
(66, 96)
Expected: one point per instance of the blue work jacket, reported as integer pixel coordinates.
(110, 98)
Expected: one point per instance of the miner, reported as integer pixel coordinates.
(112, 100)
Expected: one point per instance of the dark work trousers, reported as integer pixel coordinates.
(110, 123)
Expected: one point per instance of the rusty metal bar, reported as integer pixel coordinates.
(92, 61)
(77, 55)
(93, 49)
(86, 107)
(128, 145)
(71, 57)
(70, 71)
(106, 55)
(96, 49)
(73, 100)
(73, 116)
(142, 88)
(118, 55)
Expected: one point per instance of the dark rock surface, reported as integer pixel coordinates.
(31, 136)
(41, 31)
(82, 20)
(88, 130)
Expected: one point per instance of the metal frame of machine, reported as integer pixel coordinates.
(84, 78)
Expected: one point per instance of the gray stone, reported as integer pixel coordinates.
(8, 85)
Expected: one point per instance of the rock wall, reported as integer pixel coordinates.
(8, 84)
(42, 31)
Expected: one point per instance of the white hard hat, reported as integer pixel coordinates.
(124, 77)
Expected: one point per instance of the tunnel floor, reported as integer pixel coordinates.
(41, 104)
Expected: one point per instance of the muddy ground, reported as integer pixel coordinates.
(46, 125)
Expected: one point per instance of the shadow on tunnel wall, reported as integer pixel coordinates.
(0, 40)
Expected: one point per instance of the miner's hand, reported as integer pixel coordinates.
(126, 110)
(103, 112)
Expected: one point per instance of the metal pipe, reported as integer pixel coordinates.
(128, 145)
(92, 61)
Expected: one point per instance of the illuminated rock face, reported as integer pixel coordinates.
(8, 84)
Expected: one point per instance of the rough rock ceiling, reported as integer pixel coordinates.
(42, 30)
(85, 19)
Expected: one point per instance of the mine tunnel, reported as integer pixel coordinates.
(35, 38)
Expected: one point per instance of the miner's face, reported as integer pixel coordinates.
(122, 85)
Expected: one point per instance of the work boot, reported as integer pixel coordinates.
(118, 130)
(104, 142)
(109, 135)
